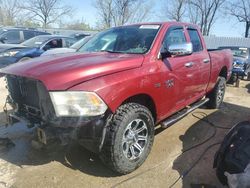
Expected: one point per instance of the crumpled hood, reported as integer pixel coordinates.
(61, 72)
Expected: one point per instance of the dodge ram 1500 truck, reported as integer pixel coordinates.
(125, 80)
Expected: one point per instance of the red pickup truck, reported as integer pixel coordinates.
(110, 95)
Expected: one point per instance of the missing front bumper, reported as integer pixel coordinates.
(88, 132)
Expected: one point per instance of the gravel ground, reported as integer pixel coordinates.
(23, 166)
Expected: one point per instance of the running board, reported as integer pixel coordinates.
(181, 114)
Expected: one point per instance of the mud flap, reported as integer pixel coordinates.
(233, 156)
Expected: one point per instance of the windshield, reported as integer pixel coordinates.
(242, 52)
(80, 43)
(36, 41)
(136, 39)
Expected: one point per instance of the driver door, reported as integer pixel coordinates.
(178, 75)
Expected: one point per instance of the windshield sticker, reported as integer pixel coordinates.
(149, 27)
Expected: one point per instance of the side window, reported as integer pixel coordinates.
(28, 34)
(174, 36)
(68, 42)
(13, 36)
(54, 43)
(195, 39)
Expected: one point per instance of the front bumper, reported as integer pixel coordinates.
(239, 72)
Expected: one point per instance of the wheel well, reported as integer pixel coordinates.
(144, 100)
(223, 72)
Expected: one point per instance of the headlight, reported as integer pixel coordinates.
(8, 54)
(77, 103)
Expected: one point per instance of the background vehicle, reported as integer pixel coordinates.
(79, 36)
(34, 47)
(75, 47)
(18, 35)
(128, 80)
(241, 64)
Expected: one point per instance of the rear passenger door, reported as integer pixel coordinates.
(201, 62)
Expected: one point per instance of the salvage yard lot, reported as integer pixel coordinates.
(23, 166)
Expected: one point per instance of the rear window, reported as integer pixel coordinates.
(195, 39)
(28, 34)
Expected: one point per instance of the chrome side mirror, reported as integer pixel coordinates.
(180, 49)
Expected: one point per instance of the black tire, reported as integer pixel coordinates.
(24, 59)
(113, 153)
(232, 80)
(248, 76)
(217, 95)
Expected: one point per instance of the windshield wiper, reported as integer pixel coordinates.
(109, 51)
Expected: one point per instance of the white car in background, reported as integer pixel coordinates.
(76, 46)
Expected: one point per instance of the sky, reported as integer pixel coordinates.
(224, 26)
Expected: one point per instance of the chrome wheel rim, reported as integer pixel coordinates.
(135, 138)
(220, 93)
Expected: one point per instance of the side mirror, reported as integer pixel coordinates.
(2, 39)
(177, 50)
(181, 49)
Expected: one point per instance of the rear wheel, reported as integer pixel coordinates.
(129, 138)
(217, 95)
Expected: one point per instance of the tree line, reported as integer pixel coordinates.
(206, 12)
(44, 13)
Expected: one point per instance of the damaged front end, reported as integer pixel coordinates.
(32, 103)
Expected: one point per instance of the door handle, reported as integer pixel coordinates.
(206, 60)
(188, 65)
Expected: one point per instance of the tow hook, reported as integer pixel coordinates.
(41, 136)
(5, 110)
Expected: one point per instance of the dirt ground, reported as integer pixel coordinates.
(22, 166)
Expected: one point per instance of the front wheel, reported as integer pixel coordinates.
(248, 76)
(24, 59)
(129, 138)
(217, 95)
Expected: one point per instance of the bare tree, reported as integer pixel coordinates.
(105, 11)
(9, 11)
(76, 25)
(203, 12)
(46, 11)
(141, 11)
(241, 10)
(118, 12)
(175, 10)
